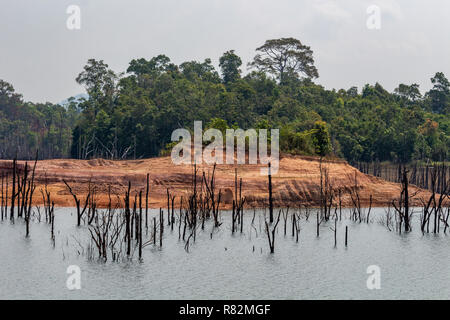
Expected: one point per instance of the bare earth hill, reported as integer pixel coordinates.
(296, 184)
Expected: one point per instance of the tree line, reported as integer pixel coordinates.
(132, 114)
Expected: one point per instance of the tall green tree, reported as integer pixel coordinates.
(285, 57)
(409, 92)
(100, 84)
(229, 64)
(440, 93)
(154, 66)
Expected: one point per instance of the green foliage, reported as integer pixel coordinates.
(219, 124)
(27, 127)
(439, 95)
(229, 64)
(321, 138)
(133, 115)
(285, 58)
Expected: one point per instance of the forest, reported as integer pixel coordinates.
(132, 114)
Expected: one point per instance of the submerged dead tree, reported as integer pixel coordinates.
(106, 234)
(13, 193)
(2, 204)
(271, 233)
(140, 225)
(146, 201)
(270, 194)
(434, 207)
(326, 193)
(212, 197)
(357, 210)
(238, 205)
(23, 187)
(402, 207)
(80, 212)
(28, 196)
(127, 213)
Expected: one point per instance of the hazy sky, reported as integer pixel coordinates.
(42, 58)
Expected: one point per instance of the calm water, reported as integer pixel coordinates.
(412, 266)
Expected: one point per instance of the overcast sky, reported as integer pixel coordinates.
(42, 58)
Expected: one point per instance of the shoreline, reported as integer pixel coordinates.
(297, 183)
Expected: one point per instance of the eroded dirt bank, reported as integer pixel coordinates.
(297, 182)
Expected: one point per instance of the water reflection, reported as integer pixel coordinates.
(230, 267)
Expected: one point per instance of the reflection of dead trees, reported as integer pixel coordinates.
(271, 233)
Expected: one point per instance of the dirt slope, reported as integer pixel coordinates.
(296, 183)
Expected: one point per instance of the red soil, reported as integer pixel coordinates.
(297, 182)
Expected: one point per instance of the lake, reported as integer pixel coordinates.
(226, 266)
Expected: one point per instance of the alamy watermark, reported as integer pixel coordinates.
(374, 20)
(256, 142)
(73, 22)
(73, 281)
(374, 279)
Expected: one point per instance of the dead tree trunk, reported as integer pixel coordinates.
(271, 233)
(161, 226)
(127, 219)
(146, 203)
(80, 212)
(13, 193)
(140, 225)
(270, 195)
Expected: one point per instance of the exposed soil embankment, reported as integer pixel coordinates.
(297, 182)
